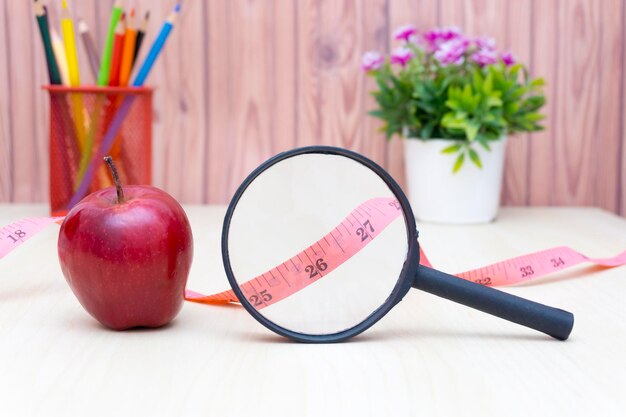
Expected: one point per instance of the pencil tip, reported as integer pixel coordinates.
(177, 8)
(64, 4)
(82, 26)
(132, 12)
(148, 15)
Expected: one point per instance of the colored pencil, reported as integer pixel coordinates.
(145, 68)
(116, 56)
(74, 74)
(69, 41)
(59, 54)
(105, 62)
(129, 49)
(120, 115)
(42, 20)
(90, 48)
(58, 107)
(141, 34)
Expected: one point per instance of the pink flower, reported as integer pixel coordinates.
(372, 61)
(401, 55)
(485, 43)
(452, 51)
(508, 58)
(485, 57)
(405, 33)
(438, 36)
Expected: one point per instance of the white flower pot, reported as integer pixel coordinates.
(472, 195)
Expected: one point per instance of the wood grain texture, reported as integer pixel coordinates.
(219, 102)
(577, 87)
(240, 81)
(26, 104)
(331, 95)
(545, 47)
(6, 122)
(607, 182)
(622, 89)
(518, 38)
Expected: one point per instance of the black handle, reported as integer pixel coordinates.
(549, 320)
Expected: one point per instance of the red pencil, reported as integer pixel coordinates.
(118, 48)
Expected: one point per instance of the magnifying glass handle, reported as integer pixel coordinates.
(549, 320)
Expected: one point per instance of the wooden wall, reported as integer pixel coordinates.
(241, 80)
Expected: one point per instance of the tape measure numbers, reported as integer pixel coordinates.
(14, 234)
(357, 230)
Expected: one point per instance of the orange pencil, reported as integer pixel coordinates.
(116, 58)
(129, 49)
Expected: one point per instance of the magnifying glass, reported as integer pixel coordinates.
(319, 243)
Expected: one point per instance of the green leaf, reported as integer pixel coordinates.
(459, 163)
(483, 142)
(427, 131)
(534, 117)
(478, 80)
(537, 82)
(488, 85)
(475, 158)
(452, 149)
(514, 70)
(377, 113)
(494, 101)
(471, 130)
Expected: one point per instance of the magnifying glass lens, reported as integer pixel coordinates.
(317, 243)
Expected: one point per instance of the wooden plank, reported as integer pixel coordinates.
(518, 39)
(165, 111)
(375, 30)
(451, 13)
(424, 15)
(605, 139)
(181, 98)
(6, 120)
(30, 178)
(622, 178)
(576, 135)
(331, 102)
(259, 120)
(545, 50)
(219, 100)
(262, 85)
(308, 81)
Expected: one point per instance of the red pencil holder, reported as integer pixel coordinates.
(79, 119)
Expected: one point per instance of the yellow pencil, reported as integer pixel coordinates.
(67, 26)
(59, 55)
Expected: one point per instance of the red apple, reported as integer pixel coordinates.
(126, 254)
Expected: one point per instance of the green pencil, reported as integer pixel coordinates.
(42, 21)
(105, 62)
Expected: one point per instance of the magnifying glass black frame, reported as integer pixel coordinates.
(552, 321)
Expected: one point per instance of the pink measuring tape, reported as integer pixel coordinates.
(357, 230)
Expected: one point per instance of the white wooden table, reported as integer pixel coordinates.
(427, 357)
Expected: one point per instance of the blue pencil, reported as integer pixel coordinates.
(156, 48)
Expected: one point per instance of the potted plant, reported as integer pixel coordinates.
(454, 100)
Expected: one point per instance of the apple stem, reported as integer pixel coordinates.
(116, 178)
